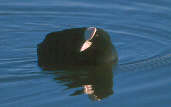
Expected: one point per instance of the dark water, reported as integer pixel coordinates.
(140, 30)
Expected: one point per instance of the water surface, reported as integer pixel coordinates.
(140, 31)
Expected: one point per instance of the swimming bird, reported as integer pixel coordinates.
(76, 47)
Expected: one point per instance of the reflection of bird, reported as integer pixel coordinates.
(96, 82)
(76, 46)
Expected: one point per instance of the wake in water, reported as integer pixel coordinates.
(146, 64)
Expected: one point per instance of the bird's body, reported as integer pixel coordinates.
(71, 47)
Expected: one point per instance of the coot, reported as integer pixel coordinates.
(76, 47)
